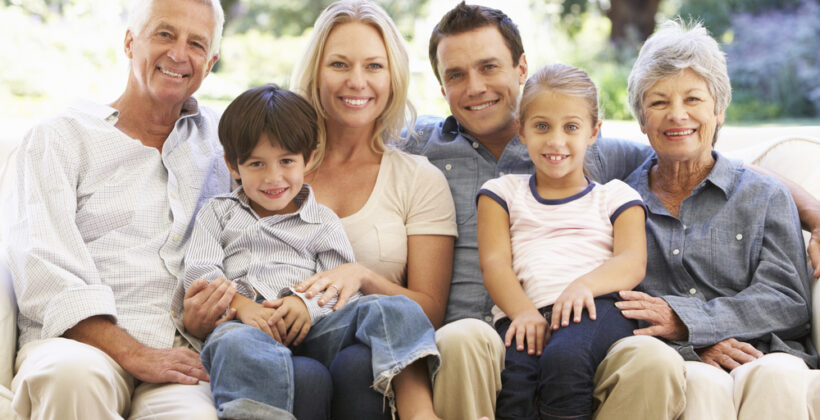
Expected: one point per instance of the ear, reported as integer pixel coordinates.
(721, 117)
(443, 93)
(310, 158)
(520, 132)
(211, 63)
(522, 69)
(234, 172)
(128, 44)
(596, 130)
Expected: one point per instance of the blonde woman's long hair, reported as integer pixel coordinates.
(399, 112)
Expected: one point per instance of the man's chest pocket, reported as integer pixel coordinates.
(462, 176)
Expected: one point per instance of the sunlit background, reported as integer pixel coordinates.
(55, 51)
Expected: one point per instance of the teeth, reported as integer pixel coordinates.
(170, 73)
(680, 133)
(274, 192)
(355, 102)
(556, 157)
(480, 107)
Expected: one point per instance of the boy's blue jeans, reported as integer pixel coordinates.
(559, 383)
(252, 374)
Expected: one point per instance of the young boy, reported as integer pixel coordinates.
(267, 236)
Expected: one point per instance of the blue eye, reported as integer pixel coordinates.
(375, 66)
(542, 126)
(571, 127)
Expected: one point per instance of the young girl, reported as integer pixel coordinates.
(553, 244)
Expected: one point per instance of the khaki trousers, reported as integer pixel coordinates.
(59, 379)
(776, 386)
(641, 377)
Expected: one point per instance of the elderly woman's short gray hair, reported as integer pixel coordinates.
(675, 47)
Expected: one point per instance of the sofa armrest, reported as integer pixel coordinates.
(795, 158)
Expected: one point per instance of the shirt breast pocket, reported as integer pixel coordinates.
(733, 252)
(462, 176)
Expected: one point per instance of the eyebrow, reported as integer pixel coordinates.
(344, 57)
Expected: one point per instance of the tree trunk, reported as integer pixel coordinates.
(633, 21)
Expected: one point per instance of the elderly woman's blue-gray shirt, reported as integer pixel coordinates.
(732, 264)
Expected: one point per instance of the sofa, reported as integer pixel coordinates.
(792, 157)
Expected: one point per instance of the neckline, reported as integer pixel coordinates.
(554, 201)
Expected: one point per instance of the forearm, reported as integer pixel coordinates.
(100, 332)
(506, 291)
(622, 272)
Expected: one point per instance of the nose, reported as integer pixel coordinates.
(273, 174)
(356, 79)
(677, 111)
(475, 84)
(177, 51)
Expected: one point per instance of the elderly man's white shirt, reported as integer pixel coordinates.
(99, 222)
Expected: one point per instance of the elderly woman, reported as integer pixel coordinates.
(726, 281)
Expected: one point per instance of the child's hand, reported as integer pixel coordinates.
(256, 315)
(529, 326)
(292, 318)
(571, 303)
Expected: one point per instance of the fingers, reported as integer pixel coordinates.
(330, 292)
(555, 318)
(814, 253)
(273, 304)
(302, 334)
(230, 315)
(653, 330)
(539, 340)
(748, 349)
(344, 297)
(633, 295)
(589, 302)
(566, 313)
(318, 286)
(306, 283)
(520, 333)
(509, 336)
(531, 333)
(195, 288)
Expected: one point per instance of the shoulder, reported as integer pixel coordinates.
(507, 183)
(82, 123)
(403, 163)
(618, 187)
(427, 129)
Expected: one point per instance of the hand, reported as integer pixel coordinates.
(529, 326)
(342, 281)
(814, 251)
(665, 322)
(205, 305)
(729, 354)
(573, 299)
(291, 312)
(256, 315)
(178, 365)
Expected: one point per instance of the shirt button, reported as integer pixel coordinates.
(692, 291)
(174, 196)
(739, 237)
(176, 238)
(675, 251)
(448, 166)
(475, 145)
(488, 318)
(173, 314)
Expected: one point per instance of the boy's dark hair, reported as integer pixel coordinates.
(464, 18)
(287, 119)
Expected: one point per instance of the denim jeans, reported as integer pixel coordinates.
(252, 374)
(559, 383)
(353, 398)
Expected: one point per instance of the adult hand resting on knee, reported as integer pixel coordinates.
(729, 354)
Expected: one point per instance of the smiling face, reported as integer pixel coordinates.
(169, 56)
(680, 118)
(271, 178)
(480, 82)
(354, 76)
(557, 130)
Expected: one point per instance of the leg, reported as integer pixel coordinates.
(251, 373)
(519, 382)
(472, 356)
(394, 327)
(640, 378)
(708, 393)
(414, 395)
(172, 401)
(313, 389)
(59, 378)
(353, 399)
(776, 386)
(569, 360)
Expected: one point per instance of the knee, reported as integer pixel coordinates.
(312, 378)
(648, 359)
(707, 379)
(352, 362)
(68, 364)
(470, 339)
(230, 343)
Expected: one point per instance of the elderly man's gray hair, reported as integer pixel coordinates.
(675, 47)
(140, 13)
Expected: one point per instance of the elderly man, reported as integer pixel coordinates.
(101, 218)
